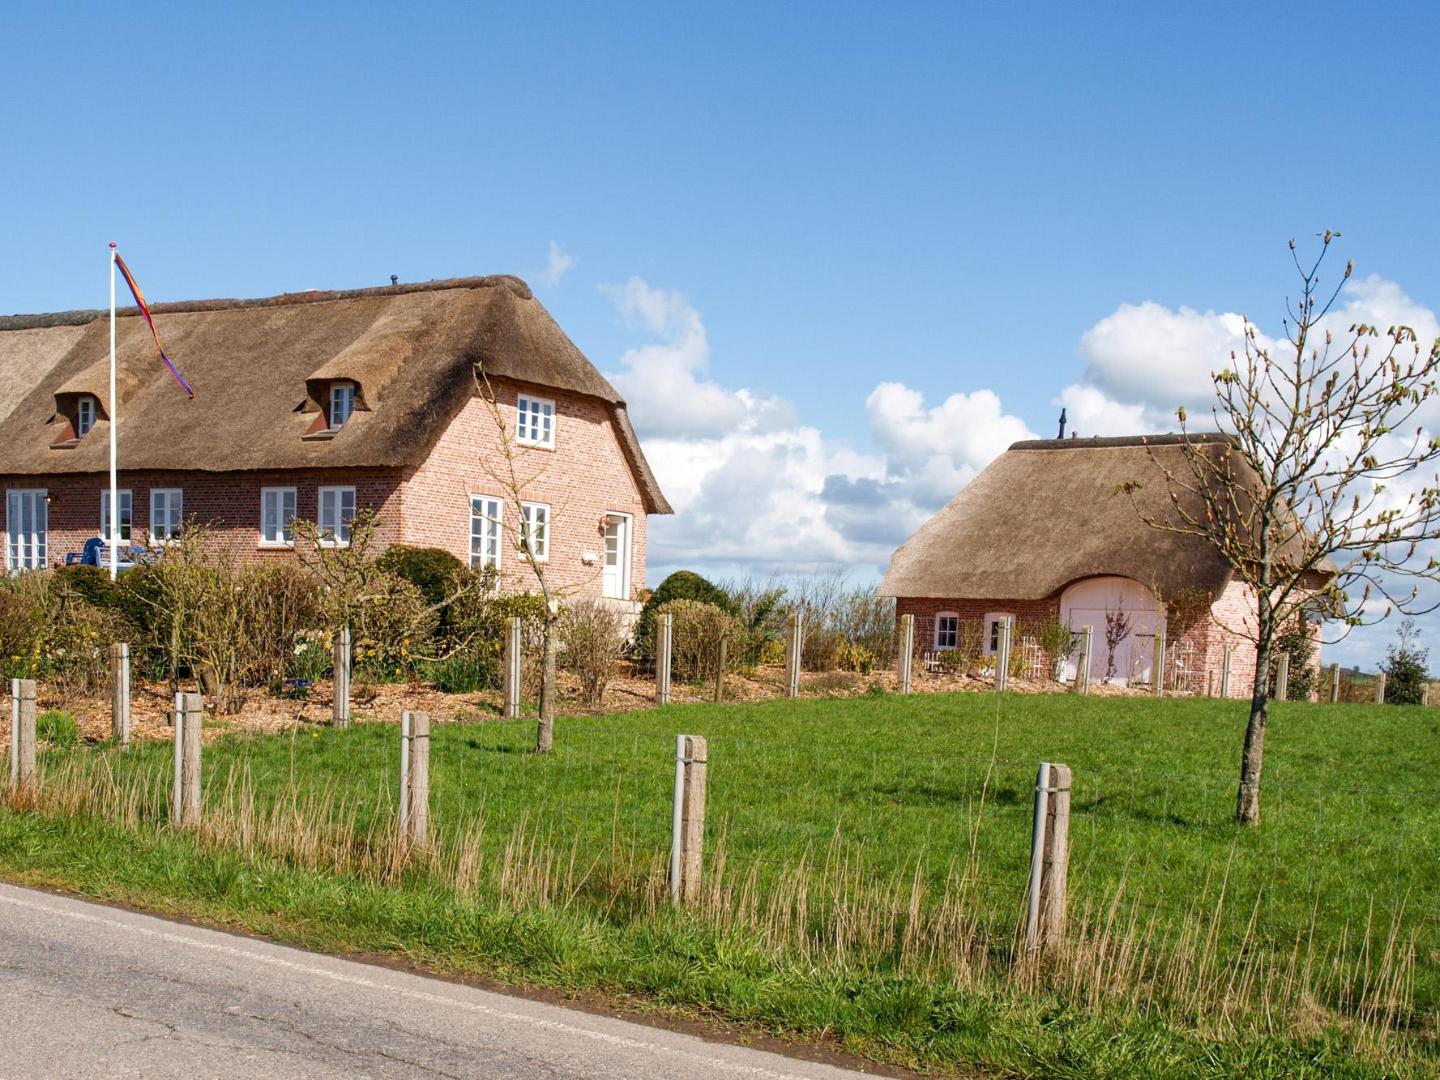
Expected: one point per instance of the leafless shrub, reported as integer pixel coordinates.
(695, 639)
(592, 636)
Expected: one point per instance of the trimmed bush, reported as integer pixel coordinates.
(433, 571)
(698, 630)
(681, 585)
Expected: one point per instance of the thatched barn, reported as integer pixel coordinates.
(315, 406)
(1046, 535)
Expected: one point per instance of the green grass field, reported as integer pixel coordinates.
(867, 861)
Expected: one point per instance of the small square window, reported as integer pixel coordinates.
(947, 631)
(535, 421)
(535, 531)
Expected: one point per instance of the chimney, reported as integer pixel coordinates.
(1062, 425)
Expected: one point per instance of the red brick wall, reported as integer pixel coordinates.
(1231, 619)
(585, 477)
(227, 502)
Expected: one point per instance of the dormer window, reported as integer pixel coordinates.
(342, 403)
(85, 410)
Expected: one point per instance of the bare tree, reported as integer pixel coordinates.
(1118, 624)
(1321, 489)
(511, 474)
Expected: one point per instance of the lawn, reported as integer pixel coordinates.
(867, 861)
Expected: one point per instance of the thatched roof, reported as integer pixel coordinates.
(257, 367)
(1048, 512)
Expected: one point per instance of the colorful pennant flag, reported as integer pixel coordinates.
(145, 310)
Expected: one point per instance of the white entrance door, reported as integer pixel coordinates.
(26, 526)
(615, 581)
(1125, 608)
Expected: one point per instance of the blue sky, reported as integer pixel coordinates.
(782, 206)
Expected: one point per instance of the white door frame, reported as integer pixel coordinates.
(627, 542)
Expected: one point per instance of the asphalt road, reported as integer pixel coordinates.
(93, 991)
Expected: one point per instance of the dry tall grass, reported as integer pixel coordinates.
(825, 911)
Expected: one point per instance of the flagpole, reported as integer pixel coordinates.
(110, 404)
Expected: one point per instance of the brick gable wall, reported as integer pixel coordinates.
(584, 478)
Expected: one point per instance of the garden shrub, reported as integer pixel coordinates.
(592, 637)
(459, 673)
(695, 640)
(855, 657)
(1405, 667)
(1056, 642)
(1297, 643)
(681, 585)
(434, 571)
(49, 631)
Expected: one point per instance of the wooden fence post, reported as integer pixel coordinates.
(1002, 656)
(1282, 677)
(794, 646)
(687, 835)
(1157, 663)
(14, 733)
(418, 817)
(1049, 857)
(907, 652)
(340, 703)
(405, 776)
(514, 648)
(1335, 682)
(1081, 685)
(1380, 689)
(664, 638)
(120, 694)
(189, 710)
(720, 671)
(22, 734)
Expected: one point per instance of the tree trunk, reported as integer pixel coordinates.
(1247, 801)
(545, 732)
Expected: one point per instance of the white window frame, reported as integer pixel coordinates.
(940, 616)
(278, 531)
(535, 421)
(491, 532)
(540, 544)
(174, 515)
(36, 543)
(86, 410)
(342, 404)
(991, 639)
(339, 529)
(127, 514)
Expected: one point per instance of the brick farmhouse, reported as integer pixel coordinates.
(318, 405)
(1045, 533)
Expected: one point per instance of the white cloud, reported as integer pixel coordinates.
(934, 452)
(561, 262)
(663, 382)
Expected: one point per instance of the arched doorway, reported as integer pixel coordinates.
(1089, 602)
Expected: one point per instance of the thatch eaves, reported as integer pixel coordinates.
(1049, 512)
(256, 366)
